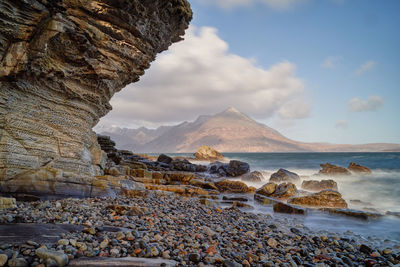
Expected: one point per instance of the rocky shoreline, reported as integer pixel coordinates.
(182, 231)
(171, 212)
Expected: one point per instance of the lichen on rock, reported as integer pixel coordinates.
(60, 63)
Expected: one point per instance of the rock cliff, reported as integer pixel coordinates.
(60, 63)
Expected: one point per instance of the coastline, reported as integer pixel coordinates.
(185, 232)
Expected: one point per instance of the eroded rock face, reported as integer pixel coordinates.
(61, 62)
(314, 185)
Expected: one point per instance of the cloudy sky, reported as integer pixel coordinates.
(315, 70)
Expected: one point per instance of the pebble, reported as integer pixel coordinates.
(3, 259)
(181, 229)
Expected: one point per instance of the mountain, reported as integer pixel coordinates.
(227, 131)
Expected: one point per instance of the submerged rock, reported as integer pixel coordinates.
(354, 167)
(254, 176)
(329, 169)
(60, 63)
(314, 185)
(287, 208)
(208, 153)
(326, 198)
(283, 175)
(359, 214)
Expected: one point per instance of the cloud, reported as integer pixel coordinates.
(368, 65)
(200, 76)
(342, 124)
(373, 103)
(331, 62)
(295, 109)
(274, 4)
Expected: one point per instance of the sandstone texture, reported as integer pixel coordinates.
(60, 63)
(208, 153)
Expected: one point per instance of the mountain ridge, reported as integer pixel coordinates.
(226, 131)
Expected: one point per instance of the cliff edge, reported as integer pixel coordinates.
(60, 63)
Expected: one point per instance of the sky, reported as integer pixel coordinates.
(315, 70)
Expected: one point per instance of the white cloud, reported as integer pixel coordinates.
(331, 62)
(368, 65)
(373, 103)
(342, 124)
(200, 76)
(295, 109)
(275, 4)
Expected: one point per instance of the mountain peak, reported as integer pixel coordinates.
(231, 110)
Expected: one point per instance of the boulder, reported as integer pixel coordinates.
(232, 186)
(326, 198)
(267, 189)
(208, 153)
(236, 168)
(354, 167)
(218, 168)
(313, 185)
(285, 191)
(283, 175)
(164, 159)
(60, 64)
(281, 191)
(329, 169)
(287, 208)
(181, 177)
(254, 176)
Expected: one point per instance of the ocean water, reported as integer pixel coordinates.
(379, 191)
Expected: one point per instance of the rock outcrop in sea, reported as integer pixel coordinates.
(61, 62)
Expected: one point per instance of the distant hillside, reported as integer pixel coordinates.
(228, 131)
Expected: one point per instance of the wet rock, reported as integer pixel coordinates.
(284, 191)
(236, 168)
(326, 198)
(233, 198)
(254, 176)
(283, 175)
(359, 214)
(365, 249)
(208, 153)
(267, 189)
(329, 169)
(164, 159)
(287, 208)
(314, 185)
(232, 186)
(264, 200)
(354, 167)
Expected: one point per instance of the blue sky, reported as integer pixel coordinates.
(338, 62)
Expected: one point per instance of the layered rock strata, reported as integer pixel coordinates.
(60, 63)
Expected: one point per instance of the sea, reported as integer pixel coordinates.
(378, 192)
